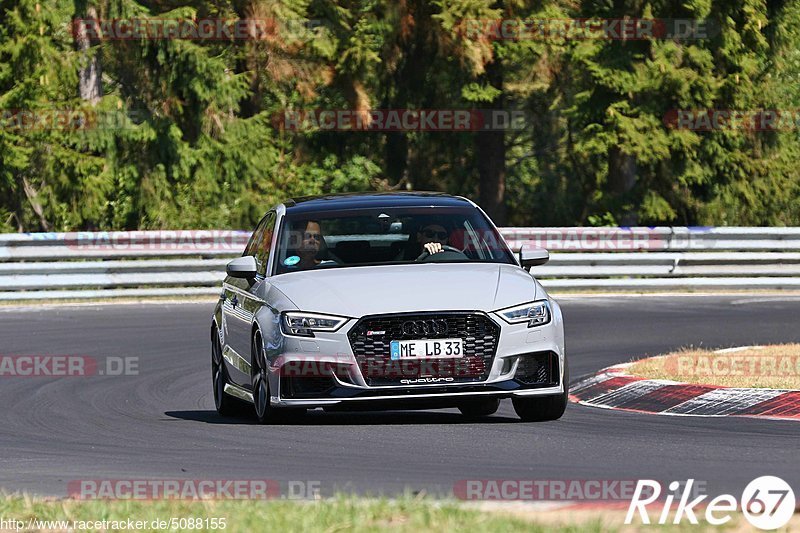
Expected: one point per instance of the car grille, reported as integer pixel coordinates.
(538, 369)
(370, 340)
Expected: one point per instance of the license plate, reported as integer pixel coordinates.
(428, 349)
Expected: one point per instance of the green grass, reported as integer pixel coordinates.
(331, 515)
(339, 514)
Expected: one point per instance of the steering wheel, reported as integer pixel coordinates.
(446, 249)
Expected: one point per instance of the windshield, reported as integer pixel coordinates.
(388, 236)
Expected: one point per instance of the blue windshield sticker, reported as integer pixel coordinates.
(292, 260)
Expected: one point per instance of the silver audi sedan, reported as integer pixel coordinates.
(385, 301)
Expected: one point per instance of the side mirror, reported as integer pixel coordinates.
(242, 267)
(530, 256)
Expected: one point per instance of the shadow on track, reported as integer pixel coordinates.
(354, 418)
(210, 417)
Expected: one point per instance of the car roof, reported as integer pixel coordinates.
(315, 204)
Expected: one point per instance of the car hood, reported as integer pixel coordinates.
(368, 290)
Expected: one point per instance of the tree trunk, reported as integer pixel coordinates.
(33, 198)
(490, 149)
(90, 86)
(621, 180)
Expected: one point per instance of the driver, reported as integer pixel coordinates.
(433, 237)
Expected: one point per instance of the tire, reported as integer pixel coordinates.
(265, 412)
(479, 408)
(225, 404)
(542, 408)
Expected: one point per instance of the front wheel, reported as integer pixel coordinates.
(265, 412)
(542, 408)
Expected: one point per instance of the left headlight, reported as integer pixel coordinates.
(534, 313)
(305, 324)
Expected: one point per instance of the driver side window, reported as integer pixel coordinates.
(264, 242)
(255, 238)
(261, 241)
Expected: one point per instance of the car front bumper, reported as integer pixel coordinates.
(445, 396)
(527, 362)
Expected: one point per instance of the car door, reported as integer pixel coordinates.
(241, 304)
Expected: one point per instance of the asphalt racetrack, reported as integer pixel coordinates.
(161, 423)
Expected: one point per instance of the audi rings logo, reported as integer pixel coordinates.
(425, 327)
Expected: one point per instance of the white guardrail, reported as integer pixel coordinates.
(45, 266)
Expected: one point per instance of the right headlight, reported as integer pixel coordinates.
(302, 324)
(534, 313)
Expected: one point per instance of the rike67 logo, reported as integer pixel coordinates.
(767, 502)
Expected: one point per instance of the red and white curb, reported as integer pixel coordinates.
(614, 388)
